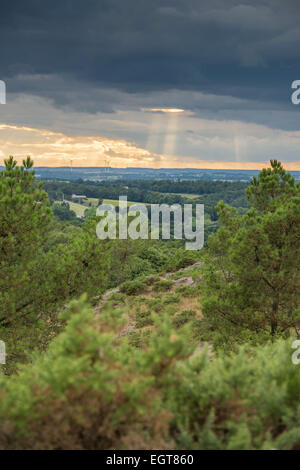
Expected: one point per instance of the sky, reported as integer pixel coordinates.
(150, 83)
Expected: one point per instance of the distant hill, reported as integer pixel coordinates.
(114, 174)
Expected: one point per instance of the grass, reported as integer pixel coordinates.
(115, 202)
(74, 206)
(93, 201)
(190, 196)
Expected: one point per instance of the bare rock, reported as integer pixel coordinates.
(104, 297)
(198, 263)
(109, 293)
(184, 281)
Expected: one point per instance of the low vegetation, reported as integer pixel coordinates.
(136, 344)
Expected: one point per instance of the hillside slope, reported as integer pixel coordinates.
(176, 295)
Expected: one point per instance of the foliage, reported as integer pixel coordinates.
(25, 215)
(62, 212)
(91, 390)
(162, 285)
(132, 287)
(158, 192)
(139, 374)
(143, 319)
(251, 269)
(272, 186)
(183, 317)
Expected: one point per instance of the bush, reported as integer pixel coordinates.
(182, 259)
(162, 285)
(117, 297)
(139, 338)
(171, 299)
(93, 390)
(87, 392)
(183, 317)
(151, 279)
(156, 304)
(132, 287)
(143, 319)
(187, 291)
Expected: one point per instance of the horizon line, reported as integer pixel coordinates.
(155, 169)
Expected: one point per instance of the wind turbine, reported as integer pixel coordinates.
(107, 166)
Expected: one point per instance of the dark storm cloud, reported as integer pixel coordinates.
(248, 50)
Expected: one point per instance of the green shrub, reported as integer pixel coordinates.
(95, 390)
(162, 285)
(171, 299)
(157, 304)
(143, 319)
(187, 291)
(182, 259)
(197, 275)
(114, 300)
(149, 280)
(248, 400)
(139, 338)
(88, 391)
(117, 297)
(132, 287)
(183, 317)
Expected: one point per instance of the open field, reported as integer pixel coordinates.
(190, 196)
(77, 208)
(115, 202)
(93, 201)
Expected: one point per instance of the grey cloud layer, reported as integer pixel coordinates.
(89, 66)
(243, 49)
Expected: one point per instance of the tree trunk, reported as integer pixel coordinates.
(274, 322)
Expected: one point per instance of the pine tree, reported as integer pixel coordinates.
(272, 186)
(24, 215)
(252, 269)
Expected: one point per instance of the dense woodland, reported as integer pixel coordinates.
(208, 193)
(156, 192)
(160, 362)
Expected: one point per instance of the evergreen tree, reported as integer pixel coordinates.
(252, 268)
(272, 186)
(25, 215)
